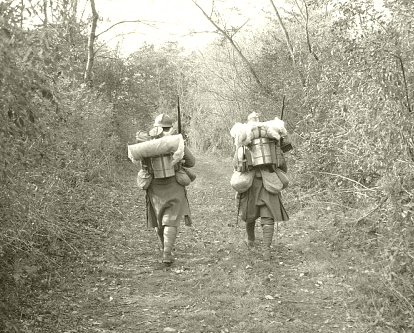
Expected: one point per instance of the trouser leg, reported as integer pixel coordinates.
(250, 233)
(268, 227)
(170, 234)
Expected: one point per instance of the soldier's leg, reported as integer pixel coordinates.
(250, 225)
(160, 234)
(250, 220)
(268, 227)
(170, 234)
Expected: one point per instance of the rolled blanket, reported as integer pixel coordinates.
(243, 134)
(171, 144)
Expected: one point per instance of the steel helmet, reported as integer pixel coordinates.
(253, 117)
(163, 120)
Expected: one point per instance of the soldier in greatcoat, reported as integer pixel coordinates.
(258, 204)
(167, 202)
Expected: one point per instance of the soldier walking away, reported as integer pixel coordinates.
(262, 159)
(166, 197)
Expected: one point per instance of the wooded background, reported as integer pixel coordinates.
(69, 105)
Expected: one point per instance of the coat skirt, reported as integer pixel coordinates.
(166, 203)
(258, 202)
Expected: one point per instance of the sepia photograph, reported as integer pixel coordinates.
(206, 166)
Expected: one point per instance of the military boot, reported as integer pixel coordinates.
(170, 234)
(250, 235)
(268, 231)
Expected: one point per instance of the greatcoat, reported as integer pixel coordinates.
(258, 202)
(167, 201)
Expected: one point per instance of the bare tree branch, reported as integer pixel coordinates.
(191, 33)
(237, 49)
(300, 10)
(405, 84)
(116, 36)
(106, 57)
(236, 30)
(406, 90)
(122, 22)
(307, 32)
(33, 8)
(46, 20)
(288, 42)
(282, 26)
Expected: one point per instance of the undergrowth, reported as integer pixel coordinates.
(370, 229)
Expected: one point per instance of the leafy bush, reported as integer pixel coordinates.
(58, 152)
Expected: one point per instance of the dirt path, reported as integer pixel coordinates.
(215, 285)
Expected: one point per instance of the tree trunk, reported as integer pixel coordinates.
(46, 20)
(306, 20)
(91, 41)
(289, 43)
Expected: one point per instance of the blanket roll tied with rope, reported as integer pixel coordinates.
(166, 145)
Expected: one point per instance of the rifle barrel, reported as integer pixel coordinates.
(179, 114)
(283, 108)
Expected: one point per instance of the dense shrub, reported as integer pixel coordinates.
(58, 148)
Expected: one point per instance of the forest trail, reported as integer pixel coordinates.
(215, 285)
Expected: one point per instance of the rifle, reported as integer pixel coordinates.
(179, 115)
(187, 218)
(285, 144)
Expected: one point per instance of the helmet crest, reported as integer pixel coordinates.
(163, 120)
